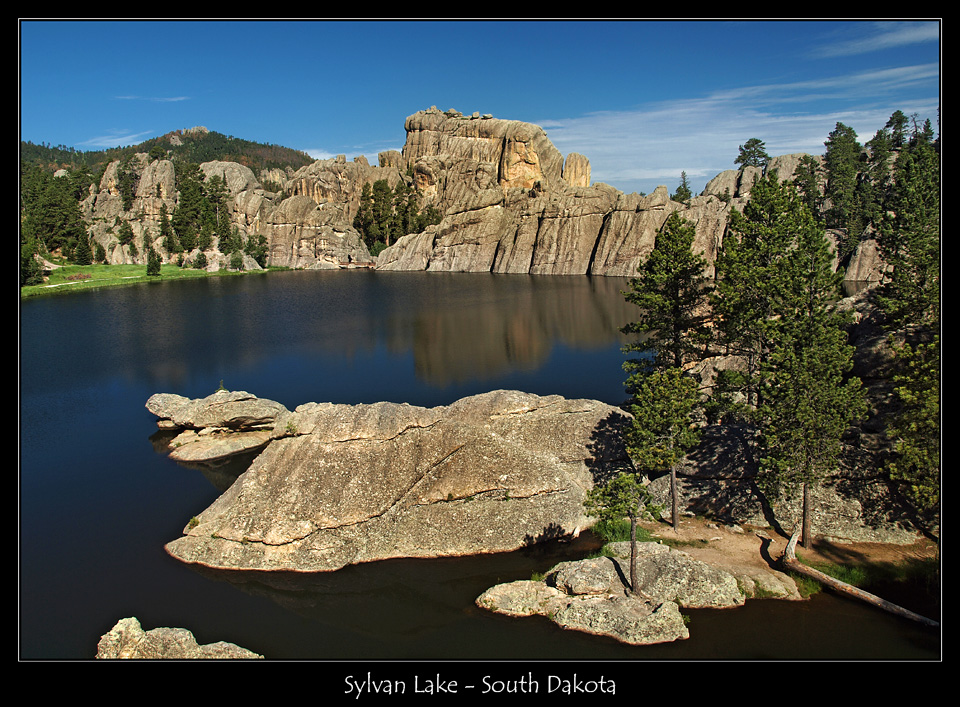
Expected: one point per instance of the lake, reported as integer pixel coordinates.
(99, 498)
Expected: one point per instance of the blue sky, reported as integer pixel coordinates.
(643, 100)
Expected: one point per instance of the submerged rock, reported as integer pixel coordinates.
(344, 484)
(128, 640)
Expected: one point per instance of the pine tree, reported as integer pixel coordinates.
(170, 241)
(897, 125)
(82, 254)
(915, 430)
(125, 234)
(753, 154)
(153, 262)
(30, 270)
(663, 429)
(683, 193)
(748, 283)
(381, 208)
(809, 399)
(623, 496)
(671, 294)
(909, 243)
(807, 179)
(909, 240)
(127, 180)
(842, 164)
(50, 213)
(256, 248)
(188, 217)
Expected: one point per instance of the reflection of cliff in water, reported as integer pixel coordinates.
(514, 326)
(457, 326)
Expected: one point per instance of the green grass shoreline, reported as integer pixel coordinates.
(71, 278)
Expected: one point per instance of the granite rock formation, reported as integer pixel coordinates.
(510, 202)
(344, 484)
(128, 640)
(589, 595)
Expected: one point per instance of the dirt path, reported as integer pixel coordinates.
(761, 548)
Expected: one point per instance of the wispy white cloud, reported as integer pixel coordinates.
(353, 151)
(154, 99)
(876, 36)
(638, 149)
(116, 138)
(319, 154)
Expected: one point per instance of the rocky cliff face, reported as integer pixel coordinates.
(307, 225)
(511, 203)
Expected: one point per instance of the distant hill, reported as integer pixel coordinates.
(195, 145)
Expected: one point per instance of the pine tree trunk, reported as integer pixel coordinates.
(807, 530)
(633, 554)
(675, 499)
(789, 561)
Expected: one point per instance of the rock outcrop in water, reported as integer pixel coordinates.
(128, 640)
(344, 484)
(218, 426)
(589, 595)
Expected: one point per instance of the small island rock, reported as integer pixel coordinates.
(128, 640)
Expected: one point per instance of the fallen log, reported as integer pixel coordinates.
(789, 561)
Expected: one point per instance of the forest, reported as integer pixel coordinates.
(772, 306)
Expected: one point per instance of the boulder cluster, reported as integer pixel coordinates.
(590, 595)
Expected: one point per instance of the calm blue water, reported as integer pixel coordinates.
(99, 499)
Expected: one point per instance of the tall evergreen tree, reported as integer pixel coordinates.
(50, 214)
(807, 178)
(842, 166)
(663, 428)
(125, 234)
(897, 125)
(216, 193)
(169, 238)
(153, 262)
(909, 240)
(83, 254)
(915, 429)
(127, 181)
(748, 284)
(672, 295)
(809, 399)
(875, 180)
(188, 217)
(30, 271)
(683, 193)
(382, 211)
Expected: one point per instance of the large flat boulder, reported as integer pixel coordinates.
(344, 484)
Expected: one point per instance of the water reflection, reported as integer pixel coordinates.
(337, 325)
(424, 595)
